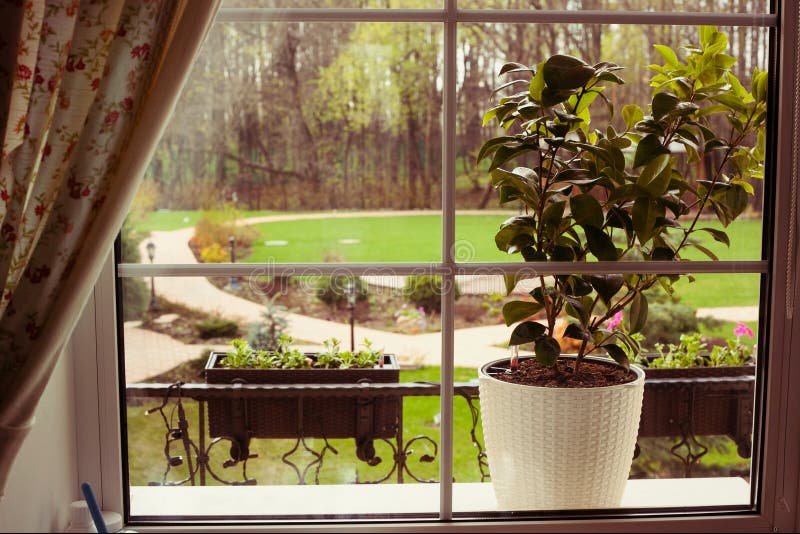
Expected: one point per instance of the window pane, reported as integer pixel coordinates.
(321, 141)
(174, 326)
(484, 49)
(715, 6)
(699, 353)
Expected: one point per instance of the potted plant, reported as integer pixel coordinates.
(679, 400)
(560, 431)
(307, 415)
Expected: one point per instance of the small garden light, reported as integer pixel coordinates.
(151, 253)
(350, 289)
(233, 284)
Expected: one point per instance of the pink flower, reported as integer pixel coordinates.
(742, 330)
(615, 321)
(95, 83)
(127, 104)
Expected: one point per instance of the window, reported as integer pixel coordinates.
(319, 169)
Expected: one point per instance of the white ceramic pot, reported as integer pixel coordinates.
(559, 448)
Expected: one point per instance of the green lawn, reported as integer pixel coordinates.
(418, 239)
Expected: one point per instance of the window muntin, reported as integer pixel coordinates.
(748, 6)
(446, 270)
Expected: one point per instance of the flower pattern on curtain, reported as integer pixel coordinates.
(80, 70)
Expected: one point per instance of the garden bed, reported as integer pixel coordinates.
(385, 309)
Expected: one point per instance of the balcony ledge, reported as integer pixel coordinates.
(352, 500)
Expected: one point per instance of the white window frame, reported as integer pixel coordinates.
(779, 497)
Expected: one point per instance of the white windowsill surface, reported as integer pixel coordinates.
(364, 500)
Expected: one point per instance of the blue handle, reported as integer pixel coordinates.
(97, 515)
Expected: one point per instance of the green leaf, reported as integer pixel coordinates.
(668, 54)
(519, 309)
(492, 145)
(511, 282)
(718, 235)
(514, 67)
(537, 84)
(586, 210)
(664, 103)
(736, 199)
(632, 114)
(662, 254)
(551, 97)
(526, 332)
(638, 313)
(566, 72)
(618, 355)
(645, 212)
(731, 101)
(553, 213)
(705, 251)
(576, 309)
(505, 153)
(514, 235)
(648, 149)
(547, 351)
(575, 331)
(607, 285)
(619, 218)
(653, 169)
(574, 285)
(600, 244)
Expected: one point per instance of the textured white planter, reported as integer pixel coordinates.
(559, 448)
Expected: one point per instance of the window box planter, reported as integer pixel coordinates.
(700, 401)
(307, 415)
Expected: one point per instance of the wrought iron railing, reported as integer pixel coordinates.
(689, 401)
(196, 456)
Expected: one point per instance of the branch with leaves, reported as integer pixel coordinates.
(617, 195)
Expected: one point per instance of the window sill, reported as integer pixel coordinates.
(194, 503)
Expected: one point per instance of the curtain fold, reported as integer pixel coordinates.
(87, 89)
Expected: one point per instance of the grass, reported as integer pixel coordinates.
(418, 239)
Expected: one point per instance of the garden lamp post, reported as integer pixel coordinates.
(351, 305)
(233, 284)
(151, 253)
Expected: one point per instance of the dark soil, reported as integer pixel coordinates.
(592, 374)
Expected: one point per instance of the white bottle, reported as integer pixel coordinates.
(81, 519)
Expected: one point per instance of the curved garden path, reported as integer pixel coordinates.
(473, 346)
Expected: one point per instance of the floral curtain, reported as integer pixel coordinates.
(85, 91)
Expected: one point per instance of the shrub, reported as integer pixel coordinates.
(216, 327)
(214, 253)
(135, 293)
(332, 290)
(266, 334)
(217, 227)
(426, 291)
(666, 321)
